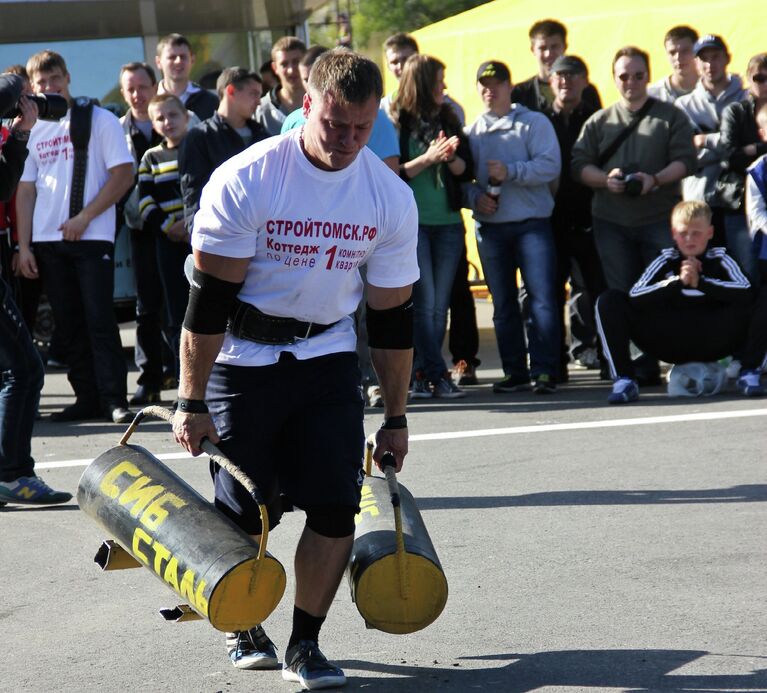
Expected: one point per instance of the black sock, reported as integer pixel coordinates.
(305, 627)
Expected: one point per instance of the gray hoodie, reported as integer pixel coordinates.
(270, 114)
(705, 113)
(526, 142)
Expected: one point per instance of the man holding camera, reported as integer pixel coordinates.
(633, 154)
(69, 214)
(20, 364)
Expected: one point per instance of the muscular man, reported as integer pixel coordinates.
(281, 380)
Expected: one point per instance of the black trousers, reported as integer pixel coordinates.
(681, 335)
(463, 339)
(79, 279)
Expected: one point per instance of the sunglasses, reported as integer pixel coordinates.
(759, 78)
(637, 76)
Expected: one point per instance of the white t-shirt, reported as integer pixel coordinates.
(307, 232)
(49, 165)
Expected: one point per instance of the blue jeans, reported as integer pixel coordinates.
(740, 246)
(527, 246)
(625, 251)
(439, 250)
(79, 281)
(22, 379)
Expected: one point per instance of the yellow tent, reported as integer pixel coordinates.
(596, 29)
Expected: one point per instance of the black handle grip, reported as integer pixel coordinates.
(388, 460)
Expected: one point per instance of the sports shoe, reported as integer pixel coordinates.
(624, 390)
(588, 358)
(251, 649)
(375, 396)
(447, 389)
(305, 664)
(420, 389)
(465, 373)
(31, 490)
(512, 383)
(749, 384)
(169, 382)
(544, 385)
(145, 395)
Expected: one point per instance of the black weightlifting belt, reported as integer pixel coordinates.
(248, 322)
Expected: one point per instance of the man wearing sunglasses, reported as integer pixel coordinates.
(710, 183)
(636, 183)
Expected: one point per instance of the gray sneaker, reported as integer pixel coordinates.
(251, 649)
(420, 388)
(447, 389)
(305, 664)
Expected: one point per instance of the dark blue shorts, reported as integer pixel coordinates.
(295, 428)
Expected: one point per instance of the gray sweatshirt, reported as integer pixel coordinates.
(526, 142)
(705, 113)
(270, 114)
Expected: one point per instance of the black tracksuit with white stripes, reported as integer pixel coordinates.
(678, 324)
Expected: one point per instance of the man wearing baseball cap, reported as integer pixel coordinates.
(577, 258)
(516, 158)
(716, 89)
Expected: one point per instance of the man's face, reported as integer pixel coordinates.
(137, 90)
(568, 86)
(396, 58)
(758, 80)
(631, 78)
(54, 81)
(175, 62)
(692, 237)
(712, 65)
(169, 120)
(285, 65)
(679, 53)
(495, 94)
(546, 50)
(245, 99)
(335, 132)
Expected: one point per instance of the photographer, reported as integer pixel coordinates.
(633, 155)
(20, 364)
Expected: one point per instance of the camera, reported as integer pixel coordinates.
(49, 106)
(632, 181)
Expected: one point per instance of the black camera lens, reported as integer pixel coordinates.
(633, 185)
(50, 106)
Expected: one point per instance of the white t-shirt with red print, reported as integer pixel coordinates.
(50, 163)
(307, 231)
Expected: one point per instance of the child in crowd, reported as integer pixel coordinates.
(692, 303)
(162, 208)
(756, 199)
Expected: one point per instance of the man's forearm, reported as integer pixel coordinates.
(26, 195)
(593, 176)
(393, 366)
(119, 182)
(198, 354)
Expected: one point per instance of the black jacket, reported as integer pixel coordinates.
(12, 159)
(450, 128)
(738, 129)
(529, 94)
(202, 103)
(721, 282)
(572, 204)
(206, 146)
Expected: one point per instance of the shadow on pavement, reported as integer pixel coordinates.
(635, 670)
(747, 493)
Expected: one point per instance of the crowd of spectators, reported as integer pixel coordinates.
(571, 197)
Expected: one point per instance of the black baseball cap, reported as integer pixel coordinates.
(709, 41)
(570, 63)
(493, 68)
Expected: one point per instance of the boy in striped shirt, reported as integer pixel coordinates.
(162, 209)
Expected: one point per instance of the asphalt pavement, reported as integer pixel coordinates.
(586, 547)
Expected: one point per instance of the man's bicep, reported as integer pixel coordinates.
(380, 298)
(230, 269)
